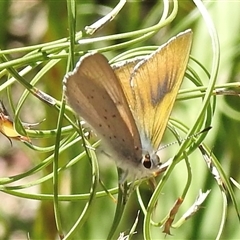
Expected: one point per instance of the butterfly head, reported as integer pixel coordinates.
(142, 166)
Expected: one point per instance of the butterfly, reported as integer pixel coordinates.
(129, 105)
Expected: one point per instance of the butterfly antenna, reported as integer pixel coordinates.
(184, 139)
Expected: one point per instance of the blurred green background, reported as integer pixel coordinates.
(29, 23)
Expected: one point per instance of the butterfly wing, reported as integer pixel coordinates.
(94, 92)
(154, 84)
(123, 71)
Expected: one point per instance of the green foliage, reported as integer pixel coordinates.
(63, 189)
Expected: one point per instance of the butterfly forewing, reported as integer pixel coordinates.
(154, 85)
(166, 68)
(94, 92)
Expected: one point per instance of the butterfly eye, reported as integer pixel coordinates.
(151, 161)
(147, 163)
